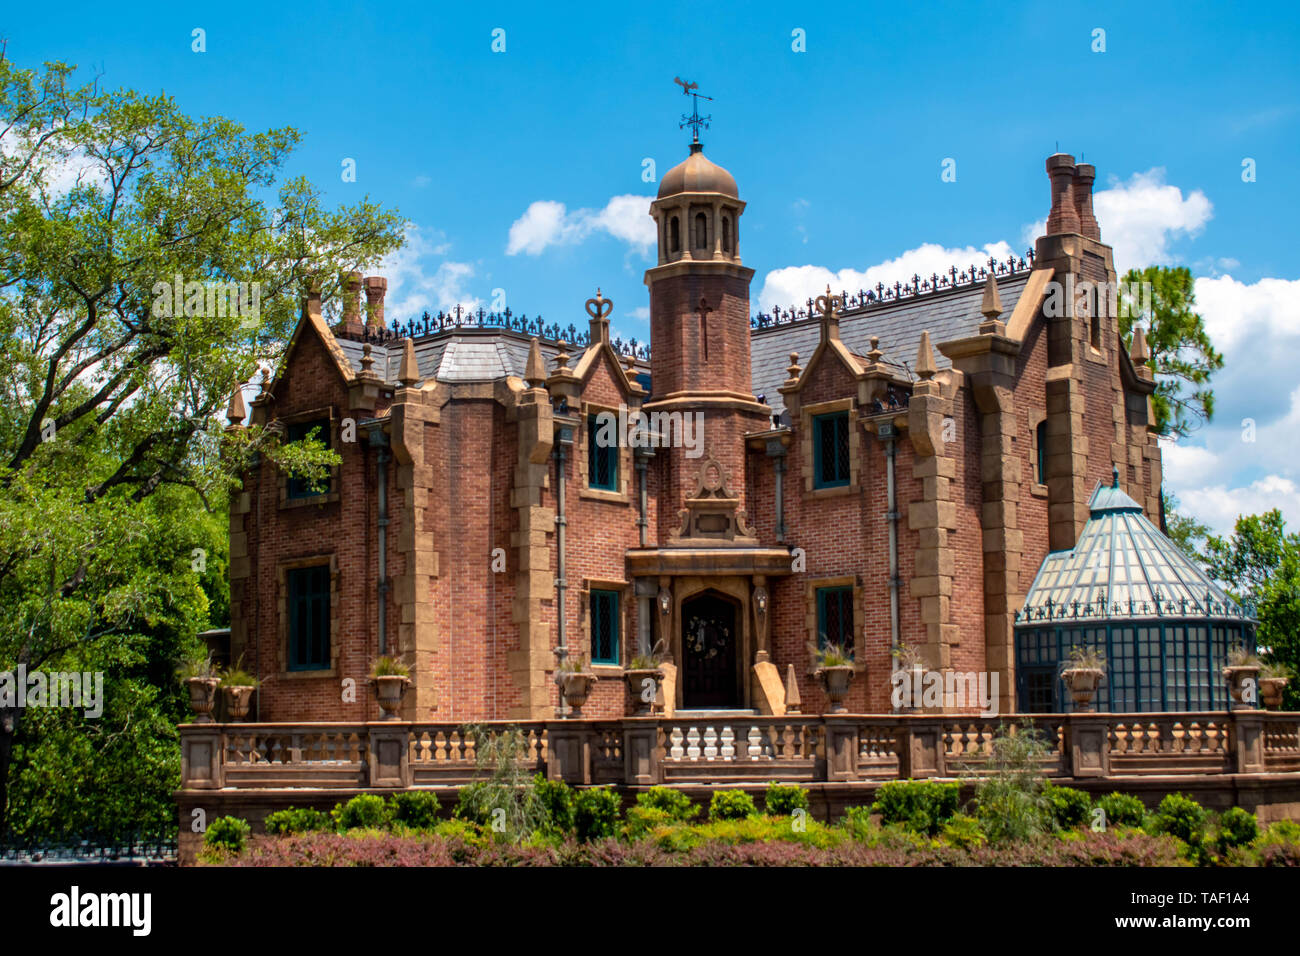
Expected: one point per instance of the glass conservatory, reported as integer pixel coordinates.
(1129, 592)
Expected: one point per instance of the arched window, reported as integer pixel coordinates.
(1094, 332)
(726, 234)
(701, 231)
(674, 236)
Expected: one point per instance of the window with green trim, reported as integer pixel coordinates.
(602, 459)
(299, 431)
(604, 627)
(831, 450)
(309, 617)
(835, 617)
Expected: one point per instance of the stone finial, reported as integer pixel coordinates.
(793, 702)
(376, 287)
(599, 309)
(827, 305)
(991, 307)
(367, 360)
(925, 368)
(793, 370)
(409, 373)
(1064, 216)
(535, 371)
(561, 356)
(875, 355)
(1140, 352)
(236, 413)
(1084, 176)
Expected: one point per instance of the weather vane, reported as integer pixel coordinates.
(695, 120)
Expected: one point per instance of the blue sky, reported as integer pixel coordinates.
(516, 168)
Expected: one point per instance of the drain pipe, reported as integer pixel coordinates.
(379, 442)
(892, 516)
(644, 588)
(776, 451)
(564, 438)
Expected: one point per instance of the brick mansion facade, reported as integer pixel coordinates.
(886, 468)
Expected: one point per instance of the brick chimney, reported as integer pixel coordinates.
(1084, 175)
(376, 287)
(1064, 216)
(351, 324)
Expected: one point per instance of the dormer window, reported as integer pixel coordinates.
(701, 231)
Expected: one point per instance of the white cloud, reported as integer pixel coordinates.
(416, 284)
(1139, 218)
(547, 222)
(1219, 505)
(796, 284)
(1261, 313)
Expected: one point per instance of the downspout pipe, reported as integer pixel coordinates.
(379, 442)
(564, 439)
(777, 452)
(892, 518)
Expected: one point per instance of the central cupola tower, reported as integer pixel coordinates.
(699, 317)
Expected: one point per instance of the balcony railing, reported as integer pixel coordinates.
(803, 748)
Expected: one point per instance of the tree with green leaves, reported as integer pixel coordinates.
(1182, 355)
(111, 440)
(1180, 527)
(1260, 563)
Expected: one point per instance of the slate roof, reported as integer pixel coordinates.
(946, 315)
(483, 355)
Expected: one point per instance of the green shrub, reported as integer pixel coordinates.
(297, 820)
(1237, 827)
(964, 832)
(1122, 810)
(227, 833)
(781, 800)
(595, 814)
(857, 821)
(1069, 807)
(460, 829)
(555, 800)
(676, 804)
(1181, 816)
(365, 810)
(731, 805)
(644, 820)
(417, 809)
(919, 805)
(1009, 799)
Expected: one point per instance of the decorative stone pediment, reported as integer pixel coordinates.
(713, 516)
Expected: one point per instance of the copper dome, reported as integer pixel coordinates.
(697, 174)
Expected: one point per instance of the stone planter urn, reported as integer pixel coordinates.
(835, 681)
(1082, 682)
(203, 697)
(237, 699)
(639, 688)
(1239, 677)
(576, 688)
(1270, 691)
(389, 691)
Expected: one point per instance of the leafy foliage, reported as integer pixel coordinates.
(1069, 807)
(1122, 809)
(417, 809)
(784, 799)
(920, 805)
(297, 820)
(227, 833)
(731, 805)
(365, 810)
(1182, 355)
(1180, 816)
(595, 814)
(1010, 801)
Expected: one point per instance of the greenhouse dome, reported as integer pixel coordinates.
(1127, 591)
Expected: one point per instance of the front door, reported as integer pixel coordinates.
(709, 639)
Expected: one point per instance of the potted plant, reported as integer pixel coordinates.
(391, 678)
(1273, 678)
(1242, 673)
(238, 685)
(1082, 675)
(908, 661)
(835, 671)
(643, 668)
(199, 675)
(575, 682)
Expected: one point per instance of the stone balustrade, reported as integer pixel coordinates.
(645, 751)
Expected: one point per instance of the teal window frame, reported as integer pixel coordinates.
(308, 604)
(828, 430)
(1040, 452)
(602, 461)
(603, 605)
(839, 600)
